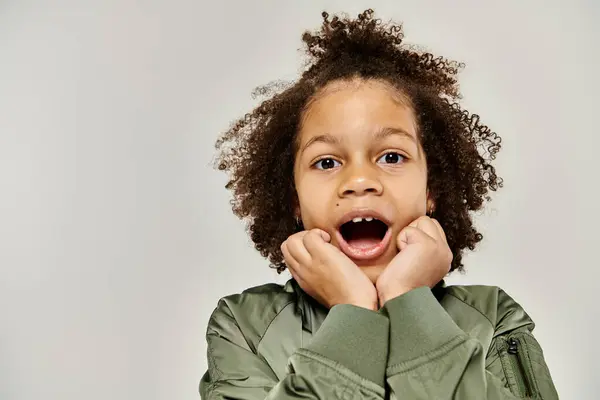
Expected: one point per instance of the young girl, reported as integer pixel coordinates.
(360, 179)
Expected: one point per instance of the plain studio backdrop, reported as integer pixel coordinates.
(116, 235)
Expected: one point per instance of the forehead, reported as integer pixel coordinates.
(356, 108)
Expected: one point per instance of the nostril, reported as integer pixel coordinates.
(360, 186)
(365, 190)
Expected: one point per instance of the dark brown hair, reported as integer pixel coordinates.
(258, 150)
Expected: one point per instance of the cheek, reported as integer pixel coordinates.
(304, 197)
(313, 203)
(410, 199)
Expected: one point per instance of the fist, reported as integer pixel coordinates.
(424, 259)
(325, 273)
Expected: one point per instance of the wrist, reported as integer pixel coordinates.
(369, 305)
(387, 294)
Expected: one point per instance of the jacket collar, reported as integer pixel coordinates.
(306, 306)
(310, 309)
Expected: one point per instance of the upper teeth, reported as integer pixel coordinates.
(359, 219)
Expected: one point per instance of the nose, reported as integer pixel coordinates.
(360, 182)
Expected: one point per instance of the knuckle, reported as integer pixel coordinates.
(309, 237)
(295, 236)
(294, 240)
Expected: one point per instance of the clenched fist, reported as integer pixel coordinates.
(424, 259)
(325, 273)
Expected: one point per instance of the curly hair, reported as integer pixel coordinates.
(258, 150)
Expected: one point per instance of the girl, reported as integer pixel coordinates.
(360, 179)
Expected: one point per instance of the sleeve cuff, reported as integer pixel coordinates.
(356, 338)
(418, 325)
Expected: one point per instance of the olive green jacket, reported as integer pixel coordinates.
(450, 342)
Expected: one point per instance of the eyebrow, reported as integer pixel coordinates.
(380, 134)
(389, 131)
(328, 139)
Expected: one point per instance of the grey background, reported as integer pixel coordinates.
(116, 237)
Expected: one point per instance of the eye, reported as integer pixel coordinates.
(327, 163)
(391, 158)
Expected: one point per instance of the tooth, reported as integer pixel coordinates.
(357, 219)
(369, 219)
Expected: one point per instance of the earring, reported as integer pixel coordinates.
(430, 211)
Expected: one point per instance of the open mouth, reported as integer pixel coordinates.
(364, 238)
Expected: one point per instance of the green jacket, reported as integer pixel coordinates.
(450, 342)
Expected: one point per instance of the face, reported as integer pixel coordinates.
(360, 171)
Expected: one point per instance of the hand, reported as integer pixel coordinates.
(424, 259)
(325, 273)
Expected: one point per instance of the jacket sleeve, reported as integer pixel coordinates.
(346, 359)
(430, 357)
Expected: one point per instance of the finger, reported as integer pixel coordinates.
(319, 242)
(293, 265)
(296, 248)
(314, 242)
(411, 235)
(324, 235)
(289, 259)
(298, 278)
(298, 235)
(427, 225)
(440, 229)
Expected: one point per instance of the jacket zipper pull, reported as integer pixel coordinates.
(513, 346)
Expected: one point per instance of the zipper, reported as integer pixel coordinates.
(518, 365)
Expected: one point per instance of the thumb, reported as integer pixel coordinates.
(409, 235)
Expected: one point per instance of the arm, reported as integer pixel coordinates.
(345, 359)
(431, 357)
